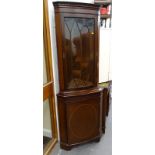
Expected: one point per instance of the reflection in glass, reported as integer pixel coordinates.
(47, 130)
(79, 52)
(44, 69)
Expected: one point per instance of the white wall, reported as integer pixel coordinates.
(104, 55)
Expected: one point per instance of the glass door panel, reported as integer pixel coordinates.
(50, 135)
(44, 69)
(79, 52)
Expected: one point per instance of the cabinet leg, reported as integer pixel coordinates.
(65, 147)
(97, 140)
(103, 130)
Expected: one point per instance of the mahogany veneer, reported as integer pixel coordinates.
(80, 98)
(80, 117)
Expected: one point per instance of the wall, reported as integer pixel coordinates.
(104, 55)
(103, 68)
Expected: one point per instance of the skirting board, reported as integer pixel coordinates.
(47, 133)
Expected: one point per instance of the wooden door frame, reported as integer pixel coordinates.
(48, 88)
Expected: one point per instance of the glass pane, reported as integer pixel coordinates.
(47, 126)
(44, 69)
(79, 51)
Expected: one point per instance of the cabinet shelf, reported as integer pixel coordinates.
(105, 16)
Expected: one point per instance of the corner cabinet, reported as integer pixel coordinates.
(80, 98)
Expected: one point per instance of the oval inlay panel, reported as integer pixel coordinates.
(86, 116)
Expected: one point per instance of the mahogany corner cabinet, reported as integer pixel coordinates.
(80, 98)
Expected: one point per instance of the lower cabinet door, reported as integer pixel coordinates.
(80, 119)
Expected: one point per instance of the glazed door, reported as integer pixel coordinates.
(49, 111)
(80, 39)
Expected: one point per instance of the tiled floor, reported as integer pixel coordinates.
(103, 147)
